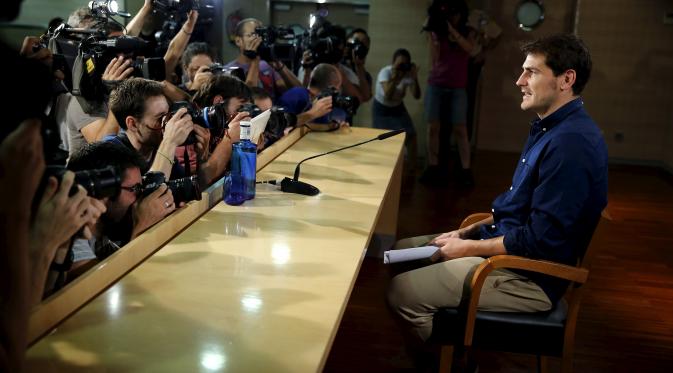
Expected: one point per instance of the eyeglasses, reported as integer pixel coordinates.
(135, 189)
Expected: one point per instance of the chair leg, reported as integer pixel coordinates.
(446, 359)
(542, 364)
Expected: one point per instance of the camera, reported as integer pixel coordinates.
(214, 118)
(174, 14)
(220, 69)
(348, 104)
(439, 13)
(95, 54)
(251, 109)
(357, 48)
(278, 44)
(99, 183)
(278, 122)
(324, 41)
(404, 67)
(184, 190)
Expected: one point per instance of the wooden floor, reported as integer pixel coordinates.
(626, 318)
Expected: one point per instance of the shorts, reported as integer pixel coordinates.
(392, 117)
(448, 105)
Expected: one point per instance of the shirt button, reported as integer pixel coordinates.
(510, 188)
(523, 160)
(544, 129)
(493, 226)
(492, 210)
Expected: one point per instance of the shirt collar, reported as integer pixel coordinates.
(559, 115)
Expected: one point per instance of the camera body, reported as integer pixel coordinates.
(220, 69)
(183, 190)
(357, 48)
(323, 44)
(404, 67)
(214, 118)
(278, 44)
(348, 104)
(95, 53)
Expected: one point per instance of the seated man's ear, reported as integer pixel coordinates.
(131, 123)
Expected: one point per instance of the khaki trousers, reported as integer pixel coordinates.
(414, 296)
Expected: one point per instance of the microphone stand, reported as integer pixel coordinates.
(299, 187)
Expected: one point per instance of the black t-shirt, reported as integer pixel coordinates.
(177, 172)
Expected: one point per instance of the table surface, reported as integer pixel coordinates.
(253, 288)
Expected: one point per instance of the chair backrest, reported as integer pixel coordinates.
(585, 261)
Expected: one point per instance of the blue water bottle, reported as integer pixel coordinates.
(241, 183)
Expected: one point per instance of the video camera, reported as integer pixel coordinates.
(174, 13)
(95, 53)
(184, 190)
(220, 69)
(278, 44)
(324, 43)
(214, 118)
(439, 13)
(348, 104)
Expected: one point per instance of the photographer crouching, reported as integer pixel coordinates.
(321, 102)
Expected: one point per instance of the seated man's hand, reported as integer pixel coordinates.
(452, 248)
(151, 209)
(118, 69)
(202, 76)
(178, 127)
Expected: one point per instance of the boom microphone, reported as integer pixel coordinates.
(299, 187)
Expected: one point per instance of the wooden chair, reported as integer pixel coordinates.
(544, 334)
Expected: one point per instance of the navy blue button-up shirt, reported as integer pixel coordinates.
(558, 191)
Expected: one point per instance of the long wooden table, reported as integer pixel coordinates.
(259, 287)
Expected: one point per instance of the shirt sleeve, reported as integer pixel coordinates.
(384, 75)
(564, 184)
(295, 100)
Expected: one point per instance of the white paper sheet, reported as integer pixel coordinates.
(405, 255)
(258, 124)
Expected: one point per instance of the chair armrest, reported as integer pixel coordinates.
(566, 272)
(474, 218)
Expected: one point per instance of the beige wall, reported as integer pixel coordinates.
(633, 75)
(501, 123)
(395, 24)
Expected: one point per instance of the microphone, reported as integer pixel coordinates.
(299, 187)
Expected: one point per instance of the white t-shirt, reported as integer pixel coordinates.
(385, 75)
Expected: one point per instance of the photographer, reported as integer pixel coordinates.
(127, 214)
(140, 107)
(196, 60)
(273, 76)
(28, 243)
(232, 93)
(451, 43)
(307, 104)
(355, 56)
(388, 110)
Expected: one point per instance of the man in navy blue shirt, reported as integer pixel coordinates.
(549, 212)
(305, 104)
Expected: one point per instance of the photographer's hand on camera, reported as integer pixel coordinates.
(31, 49)
(117, 70)
(203, 75)
(151, 209)
(59, 216)
(202, 142)
(176, 130)
(18, 183)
